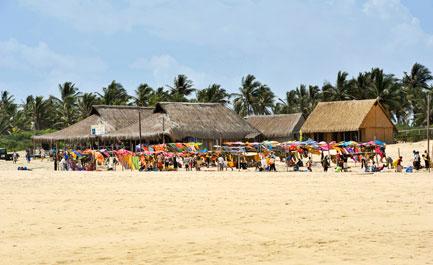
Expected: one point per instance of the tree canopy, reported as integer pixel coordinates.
(404, 98)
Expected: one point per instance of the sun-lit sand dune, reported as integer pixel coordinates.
(127, 217)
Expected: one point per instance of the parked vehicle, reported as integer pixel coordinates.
(4, 154)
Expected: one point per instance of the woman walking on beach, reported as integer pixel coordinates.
(325, 163)
(15, 157)
(28, 157)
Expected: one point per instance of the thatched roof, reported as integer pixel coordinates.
(338, 116)
(151, 129)
(181, 120)
(121, 116)
(277, 126)
(204, 121)
(184, 119)
(113, 117)
(75, 132)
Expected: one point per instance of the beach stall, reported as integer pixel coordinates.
(358, 120)
(278, 127)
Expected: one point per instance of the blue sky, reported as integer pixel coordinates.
(283, 43)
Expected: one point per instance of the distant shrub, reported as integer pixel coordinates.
(19, 141)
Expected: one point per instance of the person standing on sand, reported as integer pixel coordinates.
(186, 162)
(426, 157)
(55, 161)
(220, 163)
(28, 157)
(272, 163)
(198, 163)
(15, 157)
(42, 154)
(325, 163)
(175, 162)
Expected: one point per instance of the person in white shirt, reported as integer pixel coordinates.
(220, 163)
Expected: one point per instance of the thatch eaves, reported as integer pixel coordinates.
(76, 132)
(112, 117)
(277, 126)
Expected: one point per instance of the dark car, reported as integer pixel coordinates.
(4, 154)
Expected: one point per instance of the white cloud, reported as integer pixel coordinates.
(283, 42)
(164, 68)
(45, 67)
(40, 58)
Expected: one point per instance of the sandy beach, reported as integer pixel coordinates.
(215, 218)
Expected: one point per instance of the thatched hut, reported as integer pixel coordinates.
(209, 123)
(279, 127)
(106, 118)
(358, 120)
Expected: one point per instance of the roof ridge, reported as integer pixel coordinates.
(348, 100)
(190, 103)
(274, 115)
(121, 107)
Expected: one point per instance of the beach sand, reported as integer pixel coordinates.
(127, 217)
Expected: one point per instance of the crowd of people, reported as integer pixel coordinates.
(71, 160)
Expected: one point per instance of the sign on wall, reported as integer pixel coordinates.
(98, 129)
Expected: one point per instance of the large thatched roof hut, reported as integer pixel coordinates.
(184, 121)
(359, 120)
(209, 123)
(279, 127)
(110, 118)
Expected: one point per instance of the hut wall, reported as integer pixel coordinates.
(340, 136)
(377, 126)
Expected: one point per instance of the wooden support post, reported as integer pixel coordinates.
(428, 129)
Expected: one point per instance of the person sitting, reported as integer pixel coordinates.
(310, 164)
(399, 167)
(389, 162)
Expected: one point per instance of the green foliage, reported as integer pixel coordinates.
(182, 87)
(404, 98)
(20, 140)
(114, 94)
(214, 94)
(253, 98)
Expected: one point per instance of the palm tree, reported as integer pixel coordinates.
(244, 101)
(360, 87)
(338, 92)
(8, 111)
(213, 93)
(39, 110)
(420, 117)
(114, 94)
(264, 101)
(182, 87)
(86, 103)
(159, 95)
(143, 94)
(302, 99)
(287, 105)
(415, 85)
(385, 89)
(418, 77)
(66, 104)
